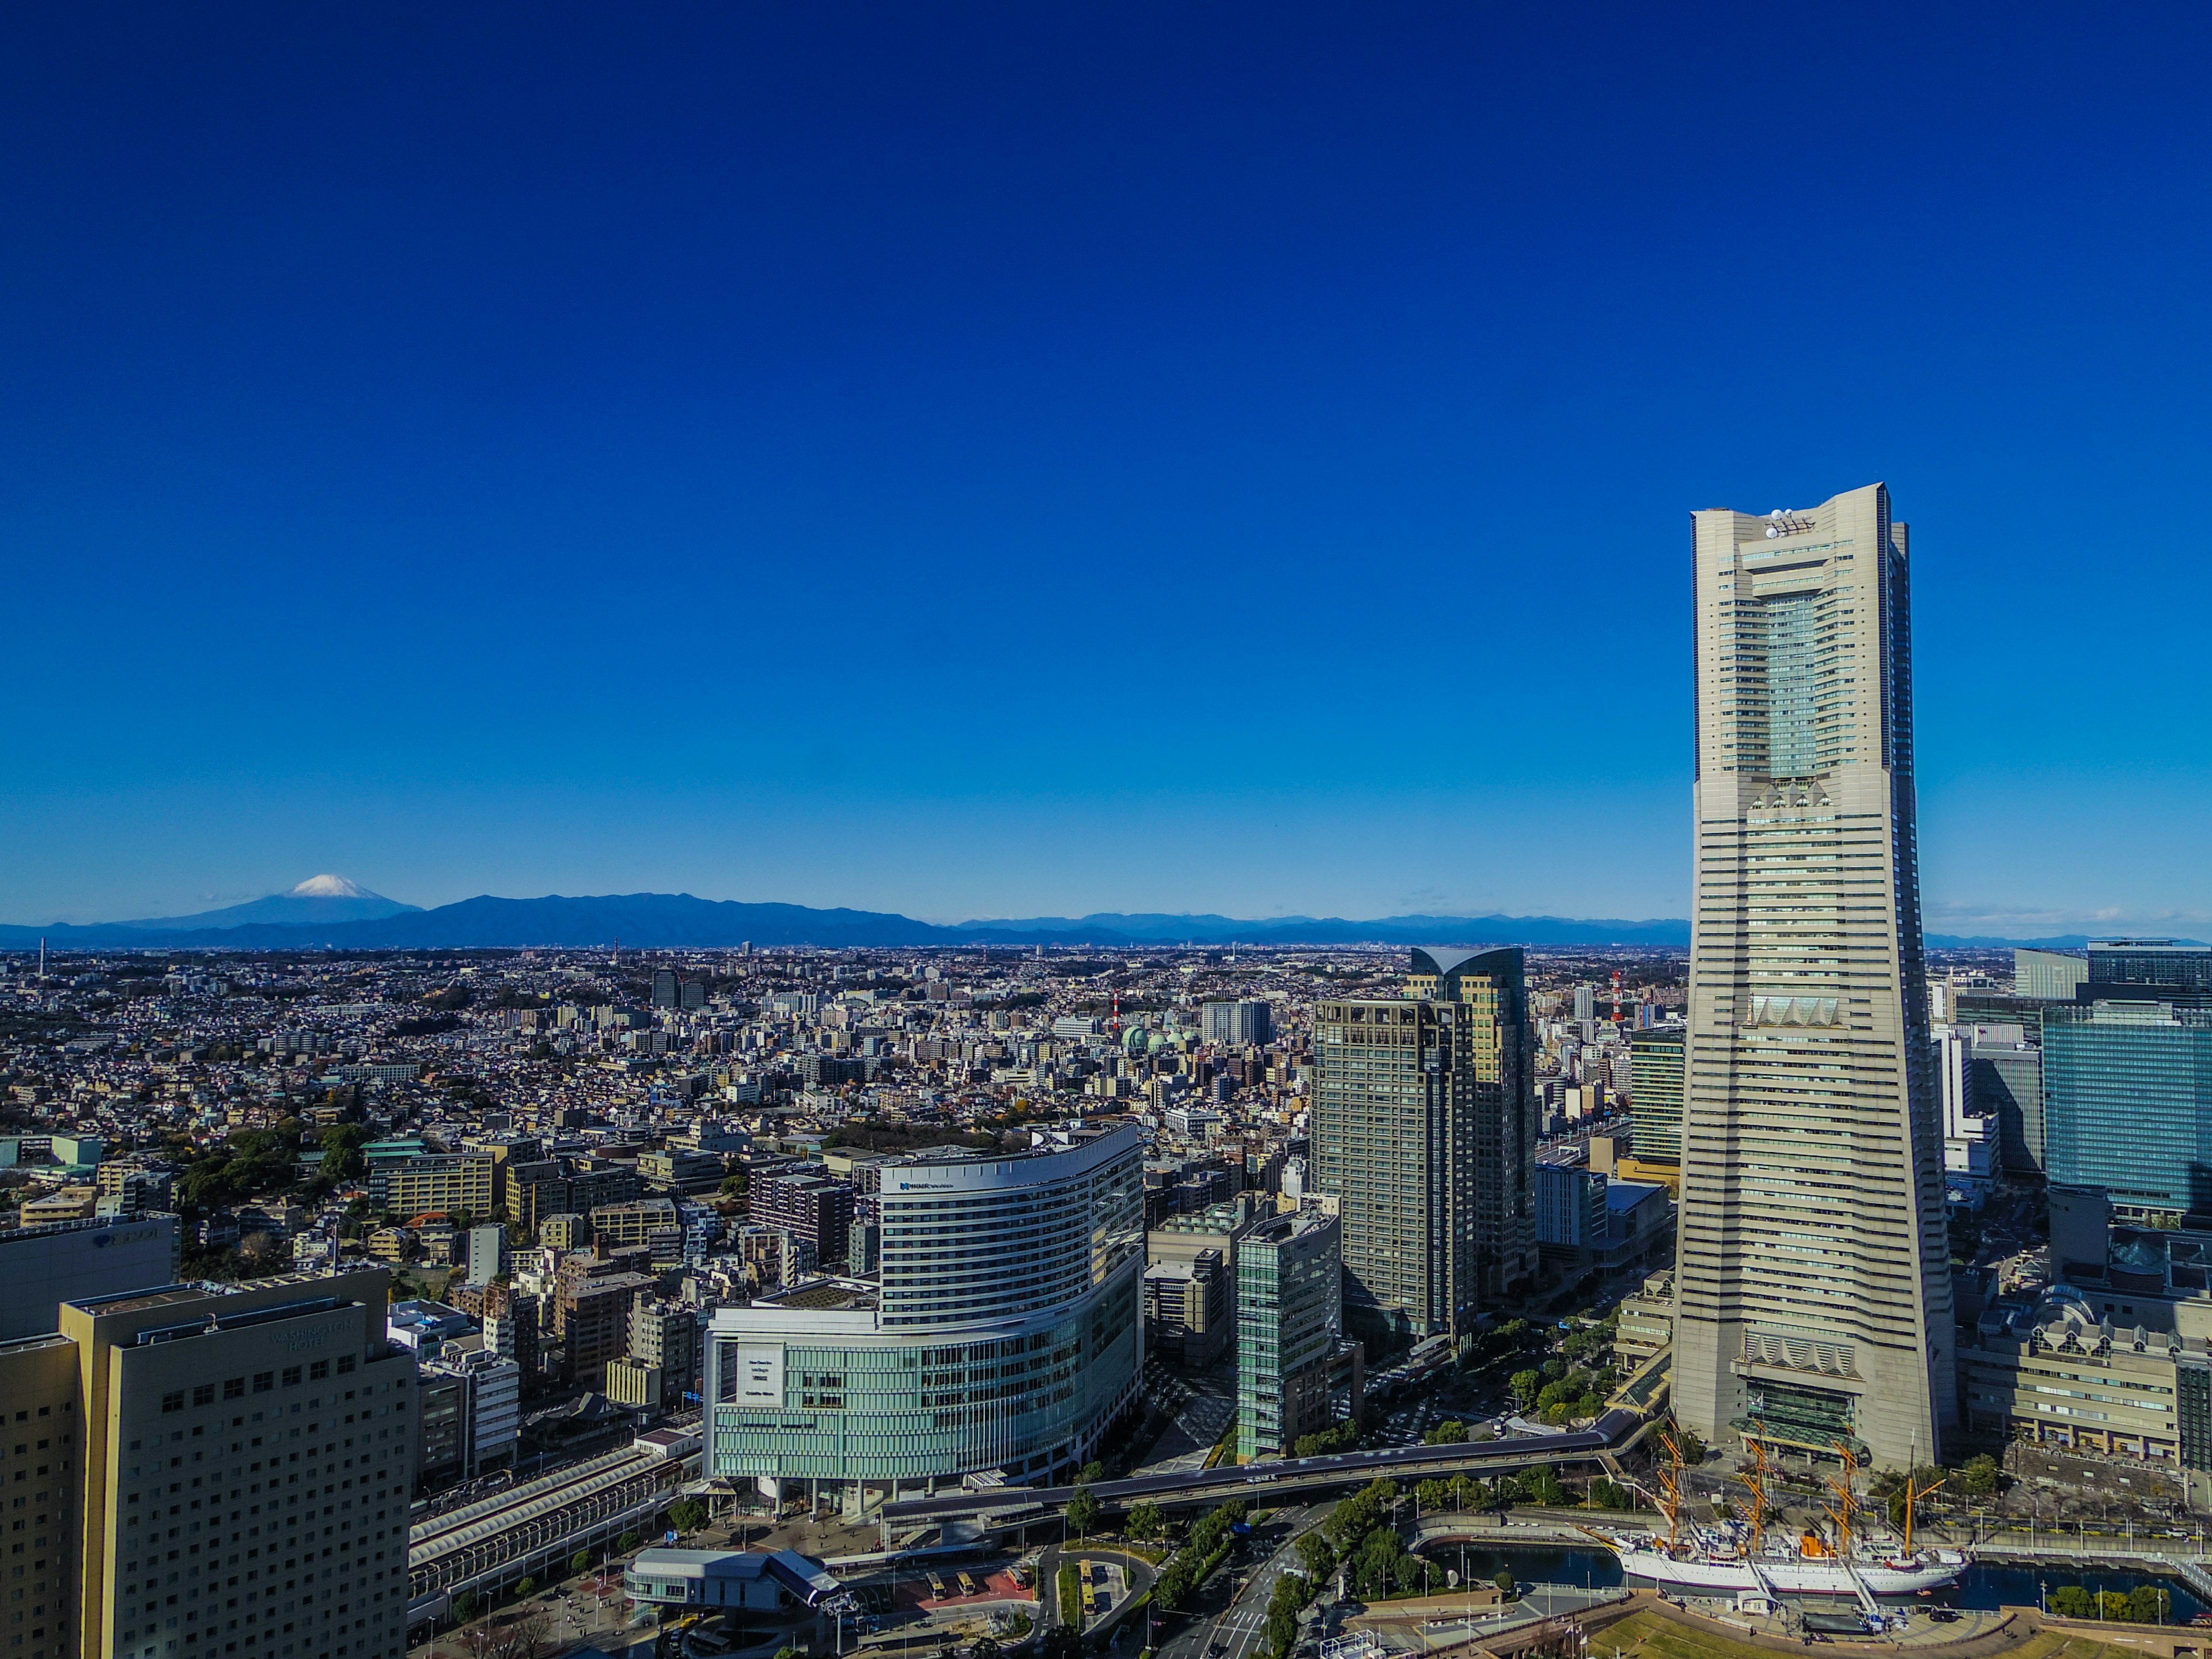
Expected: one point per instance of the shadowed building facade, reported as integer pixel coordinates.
(1813, 1286)
(1424, 1133)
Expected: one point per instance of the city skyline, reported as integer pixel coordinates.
(991, 463)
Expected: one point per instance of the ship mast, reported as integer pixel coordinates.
(1755, 1484)
(1669, 1476)
(1844, 1511)
(1912, 1497)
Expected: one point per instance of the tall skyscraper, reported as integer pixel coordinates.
(1813, 1284)
(1425, 1131)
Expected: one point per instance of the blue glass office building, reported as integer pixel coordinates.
(2127, 1103)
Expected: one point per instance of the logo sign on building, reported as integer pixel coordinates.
(759, 1374)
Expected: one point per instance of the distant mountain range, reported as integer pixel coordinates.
(329, 912)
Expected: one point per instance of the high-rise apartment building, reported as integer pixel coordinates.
(1425, 1133)
(1236, 1024)
(1812, 1285)
(243, 1465)
(444, 1183)
(1290, 1308)
(1654, 1093)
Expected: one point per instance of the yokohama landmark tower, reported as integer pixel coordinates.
(1812, 1285)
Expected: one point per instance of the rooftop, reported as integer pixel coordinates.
(824, 1296)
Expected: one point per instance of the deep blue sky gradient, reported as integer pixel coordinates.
(992, 460)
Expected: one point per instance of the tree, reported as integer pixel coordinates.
(1432, 1494)
(2149, 1605)
(1147, 1521)
(464, 1607)
(1981, 1476)
(1449, 1432)
(1609, 1495)
(2112, 1604)
(1091, 1474)
(1527, 1385)
(627, 1542)
(689, 1516)
(1315, 1552)
(581, 1561)
(1541, 1486)
(1505, 1583)
(2072, 1602)
(983, 1647)
(527, 1587)
(1083, 1512)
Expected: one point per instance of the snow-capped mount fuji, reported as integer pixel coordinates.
(318, 901)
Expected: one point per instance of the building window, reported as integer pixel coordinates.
(318, 1370)
(291, 1376)
(345, 1364)
(173, 1402)
(263, 1381)
(234, 1389)
(203, 1395)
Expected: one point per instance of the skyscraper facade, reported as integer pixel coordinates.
(1237, 1025)
(2127, 1100)
(1425, 1132)
(1290, 1300)
(1812, 1283)
(1655, 1096)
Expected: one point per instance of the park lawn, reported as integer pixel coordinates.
(1649, 1634)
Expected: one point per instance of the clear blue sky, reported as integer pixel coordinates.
(994, 460)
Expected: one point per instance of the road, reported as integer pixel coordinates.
(1238, 1625)
(1271, 1482)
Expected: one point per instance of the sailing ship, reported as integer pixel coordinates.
(1740, 1555)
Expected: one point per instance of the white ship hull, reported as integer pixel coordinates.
(1792, 1574)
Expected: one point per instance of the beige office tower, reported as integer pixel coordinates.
(1813, 1284)
(246, 1460)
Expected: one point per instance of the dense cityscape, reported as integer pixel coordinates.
(695, 1296)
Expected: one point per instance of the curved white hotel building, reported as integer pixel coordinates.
(1005, 1330)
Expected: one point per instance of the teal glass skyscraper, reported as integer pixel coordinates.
(1290, 1303)
(2127, 1104)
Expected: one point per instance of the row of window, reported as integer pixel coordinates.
(264, 1383)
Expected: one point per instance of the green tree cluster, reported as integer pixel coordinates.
(2146, 1604)
(1345, 1436)
(1375, 1561)
(1449, 1432)
(1146, 1521)
(1981, 1477)
(1201, 1552)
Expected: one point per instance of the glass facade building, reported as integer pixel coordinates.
(1289, 1311)
(1004, 1331)
(1654, 1093)
(2127, 1103)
